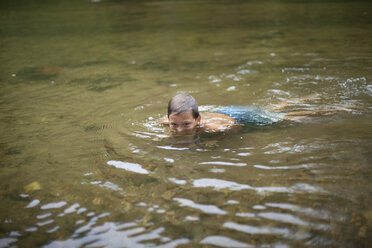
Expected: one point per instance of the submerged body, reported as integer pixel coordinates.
(224, 119)
(184, 118)
(251, 115)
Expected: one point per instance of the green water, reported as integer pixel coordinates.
(84, 163)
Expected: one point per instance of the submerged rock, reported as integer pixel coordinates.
(33, 187)
(44, 72)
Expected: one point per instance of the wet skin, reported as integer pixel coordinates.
(185, 123)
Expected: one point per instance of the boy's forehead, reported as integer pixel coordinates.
(183, 115)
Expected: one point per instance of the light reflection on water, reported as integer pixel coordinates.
(85, 163)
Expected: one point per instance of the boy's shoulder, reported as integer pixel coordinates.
(217, 122)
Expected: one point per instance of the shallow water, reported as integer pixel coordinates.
(84, 162)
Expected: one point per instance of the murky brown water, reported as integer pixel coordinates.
(85, 164)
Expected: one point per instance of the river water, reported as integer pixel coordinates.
(84, 162)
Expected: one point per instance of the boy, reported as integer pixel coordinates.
(184, 118)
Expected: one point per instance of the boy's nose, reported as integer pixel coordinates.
(179, 129)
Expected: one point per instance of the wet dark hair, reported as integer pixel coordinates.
(183, 103)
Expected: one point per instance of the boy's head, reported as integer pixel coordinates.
(183, 113)
(183, 103)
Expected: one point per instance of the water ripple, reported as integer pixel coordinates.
(173, 148)
(73, 208)
(285, 232)
(219, 184)
(288, 218)
(54, 205)
(292, 167)
(208, 209)
(43, 216)
(5, 242)
(33, 204)
(223, 241)
(108, 185)
(43, 223)
(223, 163)
(177, 181)
(281, 217)
(111, 234)
(320, 214)
(133, 167)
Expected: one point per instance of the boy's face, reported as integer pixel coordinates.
(183, 122)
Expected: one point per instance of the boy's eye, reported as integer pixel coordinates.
(186, 124)
(173, 124)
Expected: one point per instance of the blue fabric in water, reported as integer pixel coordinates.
(251, 115)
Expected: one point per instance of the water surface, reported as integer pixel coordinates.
(84, 162)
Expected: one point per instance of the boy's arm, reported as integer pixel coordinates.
(290, 102)
(298, 115)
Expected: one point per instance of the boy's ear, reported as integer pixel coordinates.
(198, 119)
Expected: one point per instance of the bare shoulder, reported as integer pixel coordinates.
(216, 122)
